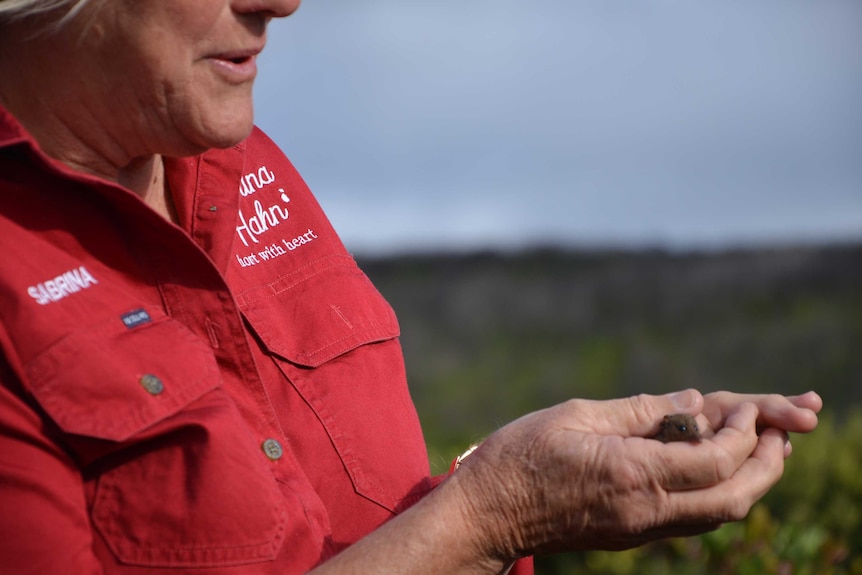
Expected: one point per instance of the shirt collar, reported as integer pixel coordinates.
(11, 130)
(198, 185)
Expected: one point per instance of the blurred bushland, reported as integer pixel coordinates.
(488, 337)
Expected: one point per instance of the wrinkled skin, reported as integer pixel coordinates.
(582, 475)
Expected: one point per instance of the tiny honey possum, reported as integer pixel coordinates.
(678, 427)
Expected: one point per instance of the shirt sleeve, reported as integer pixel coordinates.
(45, 526)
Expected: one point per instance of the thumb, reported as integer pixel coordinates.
(640, 415)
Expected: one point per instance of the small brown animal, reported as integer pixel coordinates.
(678, 427)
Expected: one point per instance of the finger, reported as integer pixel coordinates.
(783, 414)
(637, 416)
(732, 499)
(775, 410)
(810, 400)
(685, 466)
(788, 447)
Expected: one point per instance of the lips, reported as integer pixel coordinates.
(238, 56)
(237, 66)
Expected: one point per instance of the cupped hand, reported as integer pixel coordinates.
(584, 475)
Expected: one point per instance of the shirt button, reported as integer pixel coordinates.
(272, 449)
(152, 384)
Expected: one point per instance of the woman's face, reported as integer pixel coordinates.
(172, 77)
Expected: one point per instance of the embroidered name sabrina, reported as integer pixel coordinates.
(61, 286)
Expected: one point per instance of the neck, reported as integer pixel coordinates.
(69, 130)
(146, 177)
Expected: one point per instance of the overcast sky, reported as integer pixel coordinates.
(460, 124)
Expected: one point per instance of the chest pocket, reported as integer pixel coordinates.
(179, 479)
(334, 337)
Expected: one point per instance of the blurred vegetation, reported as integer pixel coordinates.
(488, 337)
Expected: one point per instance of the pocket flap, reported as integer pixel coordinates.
(111, 382)
(324, 310)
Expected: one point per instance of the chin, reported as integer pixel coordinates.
(231, 137)
(219, 121)
(223, 134)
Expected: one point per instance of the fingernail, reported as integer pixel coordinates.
(682, 400)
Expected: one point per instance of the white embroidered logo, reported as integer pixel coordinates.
(264, 217)
(266, 212)
(63, 285)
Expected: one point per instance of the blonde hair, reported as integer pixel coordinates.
(18, 9)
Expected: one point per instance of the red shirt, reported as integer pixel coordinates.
(226, 395)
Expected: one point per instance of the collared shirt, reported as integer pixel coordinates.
(223, 396)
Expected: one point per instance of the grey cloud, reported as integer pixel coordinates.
(683, 122)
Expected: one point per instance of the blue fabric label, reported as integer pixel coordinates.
(135, 318)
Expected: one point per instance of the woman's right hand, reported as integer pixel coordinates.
(583, 475)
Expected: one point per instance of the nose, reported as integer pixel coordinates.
(269, 8)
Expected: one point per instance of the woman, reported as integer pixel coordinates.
(195, 375)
